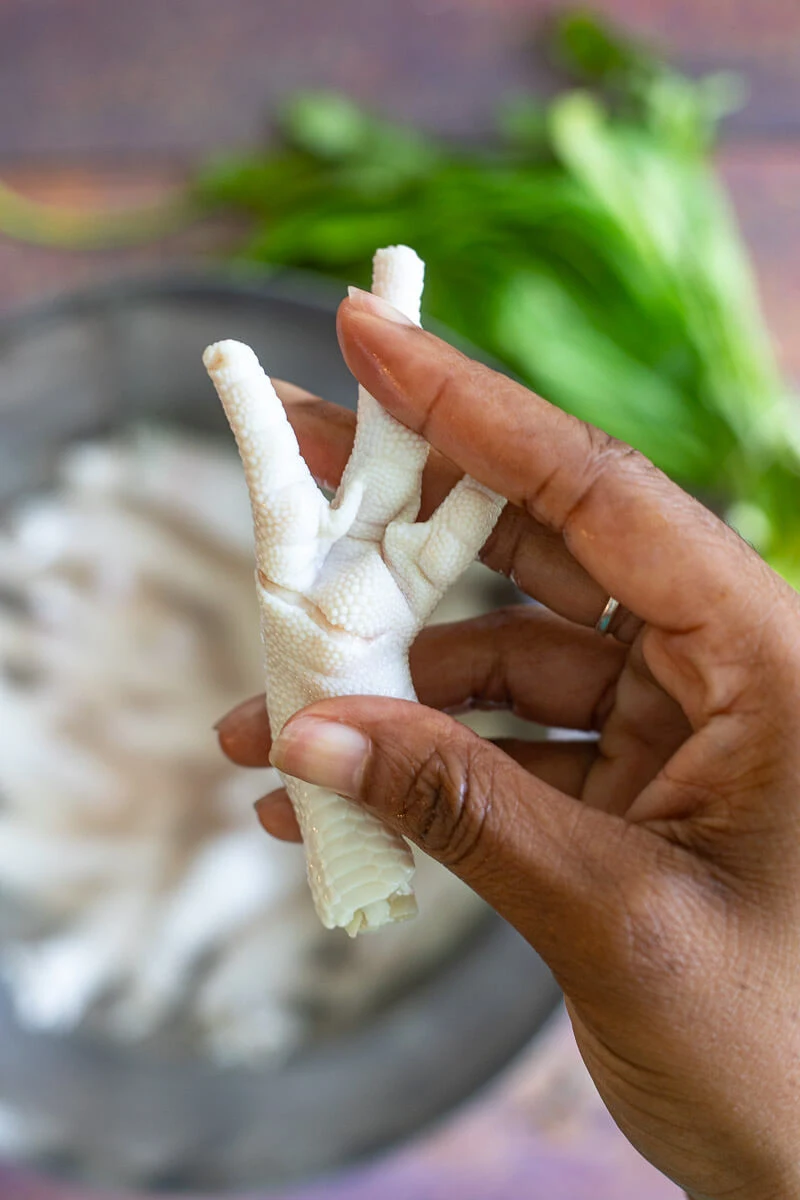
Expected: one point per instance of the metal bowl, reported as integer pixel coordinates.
(95, 363)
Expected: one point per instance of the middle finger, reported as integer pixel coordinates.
(534, 557)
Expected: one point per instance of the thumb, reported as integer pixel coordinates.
(548, 864)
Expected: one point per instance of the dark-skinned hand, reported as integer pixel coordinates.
(657, 869)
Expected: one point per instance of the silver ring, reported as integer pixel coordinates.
(607, 615)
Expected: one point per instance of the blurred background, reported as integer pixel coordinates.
(118, 104)
(607, 203)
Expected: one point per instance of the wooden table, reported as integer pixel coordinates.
(111, 103)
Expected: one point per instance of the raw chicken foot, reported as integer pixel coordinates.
(343, 590)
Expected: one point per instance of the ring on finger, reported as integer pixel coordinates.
(603, 624)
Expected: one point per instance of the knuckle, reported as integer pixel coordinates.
(644, 933)
(604, 705)
(458, 374)
(439, 396)
(505, 548)
(656, 928)
(605, 454)
(447, 806)
(559, 501)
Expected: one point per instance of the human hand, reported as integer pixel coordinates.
(657, 870)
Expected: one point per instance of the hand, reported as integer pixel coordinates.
(656, 870)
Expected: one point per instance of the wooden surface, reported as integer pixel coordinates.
(86, 77)
(110, 103)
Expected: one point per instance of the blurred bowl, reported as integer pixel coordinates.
(92, 364)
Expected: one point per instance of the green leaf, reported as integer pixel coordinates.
(326, 125)
(590, 249)
(595, 50)
(546, 335)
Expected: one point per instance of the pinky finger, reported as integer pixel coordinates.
(276, 816)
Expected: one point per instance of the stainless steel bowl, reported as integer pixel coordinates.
(94, 363)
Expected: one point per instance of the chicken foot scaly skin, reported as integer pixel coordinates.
(343, 590)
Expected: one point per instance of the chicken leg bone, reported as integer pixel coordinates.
(343, 590)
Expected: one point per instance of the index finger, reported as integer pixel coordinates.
(519, 547)
(647, 542)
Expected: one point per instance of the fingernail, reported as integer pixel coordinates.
(325, 753)
(272, 803)
(233, 717)
(378, 307)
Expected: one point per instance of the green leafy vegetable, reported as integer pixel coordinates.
(591, 249)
